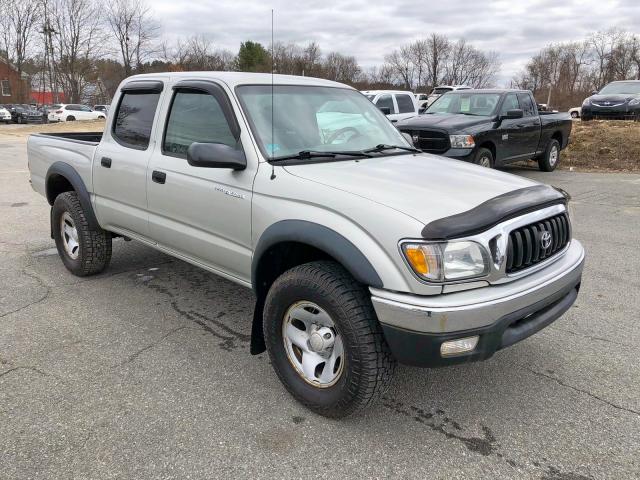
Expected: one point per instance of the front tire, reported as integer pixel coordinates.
(484, 158)
(575, 115)
(83, 250)
(551, 158)
(324, 339)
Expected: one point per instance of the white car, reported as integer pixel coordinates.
(423, 99)
(5, 115)
(441, 90)
(396, 104)
(73, 111)
(575, 112)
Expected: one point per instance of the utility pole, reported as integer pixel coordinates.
(48, 31)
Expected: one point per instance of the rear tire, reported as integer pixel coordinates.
(575, 115)
(484, 158)
(551, 158)
(82, 249)
(70, 118)
(324, 293)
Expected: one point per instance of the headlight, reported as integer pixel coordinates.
(634, 101)
(441, 262)
(462, 141)
(586, 102)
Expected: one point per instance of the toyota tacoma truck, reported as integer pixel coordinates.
(490, 128)
(361, 251)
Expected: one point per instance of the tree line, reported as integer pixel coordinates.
(564, 74)
(86, 47)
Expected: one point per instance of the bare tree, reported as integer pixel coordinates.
(80, 41)
(19, 20)
(197, 53)
(341, 68)
(134, 29)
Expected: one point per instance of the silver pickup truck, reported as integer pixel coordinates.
(361, 251)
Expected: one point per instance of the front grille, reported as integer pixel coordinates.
(607, 103)
(527, 245)
(430, 141)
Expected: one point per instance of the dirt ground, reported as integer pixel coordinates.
(596, 146)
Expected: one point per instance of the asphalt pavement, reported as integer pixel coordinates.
(144, 372)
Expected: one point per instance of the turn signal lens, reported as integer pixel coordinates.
(456, 347)
(424, 259)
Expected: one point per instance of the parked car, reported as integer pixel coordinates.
(395, 104)
(361, 250)
(617, 100)
(575, 112)
(441, 90)
(23, 113)
(72, 111)
(490, 128)
(422, 99)
(101, 108)
(5, 115)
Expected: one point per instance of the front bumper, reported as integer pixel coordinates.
(619, 112)
(501, 315)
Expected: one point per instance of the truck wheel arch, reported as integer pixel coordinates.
(289, 243)
(62, 177)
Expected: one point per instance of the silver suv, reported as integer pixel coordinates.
(361, 250)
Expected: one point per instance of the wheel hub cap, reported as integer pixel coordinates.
(313, 345)
(69, 235)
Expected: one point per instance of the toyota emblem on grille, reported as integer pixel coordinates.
(607, 103)
(545, 240)
(415, 138)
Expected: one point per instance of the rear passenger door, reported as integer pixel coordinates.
(202, 214)
(121, 160)
(531, 124)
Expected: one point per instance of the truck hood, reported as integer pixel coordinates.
(423, 186)
(450, 122)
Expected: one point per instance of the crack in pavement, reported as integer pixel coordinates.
(580, 390)
(591, 337)
(40, 282)
(33, 369)
(135, 355)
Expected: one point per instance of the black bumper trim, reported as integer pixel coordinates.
(423, 349)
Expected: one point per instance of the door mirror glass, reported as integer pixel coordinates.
(512, 114)
(216, 155)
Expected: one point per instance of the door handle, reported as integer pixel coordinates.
(394, 121)
(158, 177)
(105, 162)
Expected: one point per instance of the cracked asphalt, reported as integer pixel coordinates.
(144, 371)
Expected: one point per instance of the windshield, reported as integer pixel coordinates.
(481, 104)
(312, 118)
(621, 88)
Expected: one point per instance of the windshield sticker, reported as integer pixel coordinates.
(465, 104)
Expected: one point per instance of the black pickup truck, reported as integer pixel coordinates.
(490, 128)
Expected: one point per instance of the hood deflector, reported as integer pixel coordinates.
(490, 213)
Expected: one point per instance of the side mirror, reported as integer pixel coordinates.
(385, 110)
(408, 138)
(594, 92)
(512, 114)
(216, 155)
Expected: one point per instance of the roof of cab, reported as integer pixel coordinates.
(233, 79)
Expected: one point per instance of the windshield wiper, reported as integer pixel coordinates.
(308, 154)
(382, 147)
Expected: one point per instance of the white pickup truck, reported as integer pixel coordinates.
(361, 250)
(395, 104)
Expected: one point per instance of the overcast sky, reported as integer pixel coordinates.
(368, 29)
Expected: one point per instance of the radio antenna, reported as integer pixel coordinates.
(273, 170)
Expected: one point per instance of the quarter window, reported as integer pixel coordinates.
(405, 104)
(195, 116)
(134, 118)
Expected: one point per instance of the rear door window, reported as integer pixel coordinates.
(134, 118)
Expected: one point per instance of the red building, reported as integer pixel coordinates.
(46, 98)
(14, 88)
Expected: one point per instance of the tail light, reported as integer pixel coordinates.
(59, 111)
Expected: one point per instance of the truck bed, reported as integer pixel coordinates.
(74, 148)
